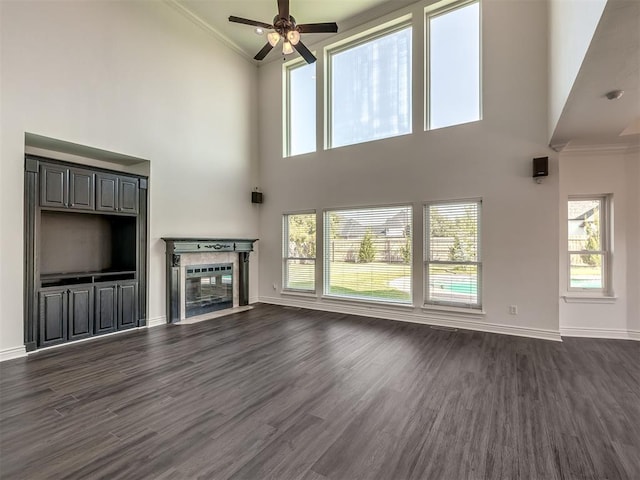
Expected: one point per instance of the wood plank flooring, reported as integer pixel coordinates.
(285, 393)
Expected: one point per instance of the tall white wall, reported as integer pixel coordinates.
(572, 24)
(490, 159)
(136, 78)
(616, 174)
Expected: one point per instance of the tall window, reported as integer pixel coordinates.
(454, 65)
(452, 264)
(299, 251)
(300, 109)
(368, 253)
(370, 88)
(588, 231)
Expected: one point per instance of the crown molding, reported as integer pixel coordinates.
(598, 149)
(196, 20)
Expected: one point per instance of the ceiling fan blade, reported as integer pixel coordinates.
(331, 27)
(263, 53)
(283, 9)
(253, 23)
(304, 52)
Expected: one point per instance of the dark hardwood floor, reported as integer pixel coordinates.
(285, 394)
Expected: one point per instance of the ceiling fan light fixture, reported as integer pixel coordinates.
(293, 36)
(273, 38)
(287, 48)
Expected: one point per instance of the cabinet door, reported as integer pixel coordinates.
(127, 305)
(106, 192)
(54, 191)
(53, 317)
(128, 195)
(80, 305)
(105, 308)
(82, 195)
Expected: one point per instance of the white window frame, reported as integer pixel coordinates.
(326, 260)
(387, 28)
(430, 13)
(605, 245)
(285, 252)
(286, 106)
(427, 262)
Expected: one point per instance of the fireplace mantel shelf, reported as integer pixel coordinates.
(177, 245)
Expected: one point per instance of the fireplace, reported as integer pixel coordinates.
(208, 288)
(206, 277)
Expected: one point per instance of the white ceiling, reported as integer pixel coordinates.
(346, 13)
(612, 62)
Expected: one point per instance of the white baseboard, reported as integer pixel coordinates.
(442, 319)
(156, 322)
(11, 353)
(588, 332)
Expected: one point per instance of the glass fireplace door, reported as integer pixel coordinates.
(208, 288)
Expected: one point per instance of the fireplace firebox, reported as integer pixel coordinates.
(208, 288)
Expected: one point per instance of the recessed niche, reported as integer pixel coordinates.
(85, 243)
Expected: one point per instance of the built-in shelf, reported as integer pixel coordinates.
(75, 278)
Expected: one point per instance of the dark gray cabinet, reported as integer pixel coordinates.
(106, 308)
(53, 316)
(116, 306)
(86, 246)
(128, 195)
(81, 189)
(80, 312)
(65, 314)
(54, 186)
(65, 187)
(116, 193)
(127, 305)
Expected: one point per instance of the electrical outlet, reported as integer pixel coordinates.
(275, 286)
(513, 309)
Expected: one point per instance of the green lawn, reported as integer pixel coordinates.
(366, 280)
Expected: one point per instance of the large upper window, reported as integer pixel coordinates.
(370, 88)
(367, 253)
(452, 264)
(454, 65)
(588, 230)
(300, 108)
(299, 251)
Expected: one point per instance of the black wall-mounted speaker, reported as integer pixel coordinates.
(540, 167)
(256, 197)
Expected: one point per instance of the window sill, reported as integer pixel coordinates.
(589, 299)
(472, 312)
(370, 303)
(299, 293)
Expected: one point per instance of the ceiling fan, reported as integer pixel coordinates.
(285, 27)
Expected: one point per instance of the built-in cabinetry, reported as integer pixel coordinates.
(86, 244)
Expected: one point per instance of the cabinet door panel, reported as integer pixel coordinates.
(53, 317)
(80, 312)
(106, 309)
(127, 306)
(82, 194)
(128, 195)
(53, 186)
(106, 192)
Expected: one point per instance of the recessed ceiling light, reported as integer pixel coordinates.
(259, 31)
(614, 94)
